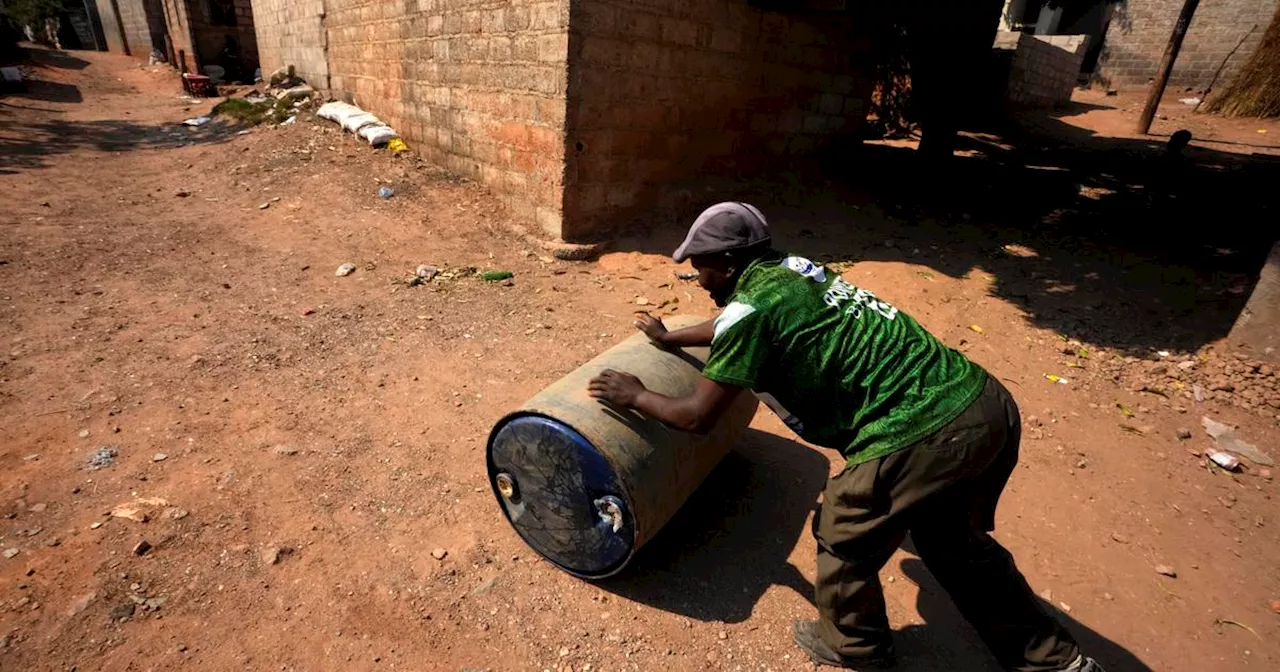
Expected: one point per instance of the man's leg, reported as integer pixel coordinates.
(951, 533)
(856, 536)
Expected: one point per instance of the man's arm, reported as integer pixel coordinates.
(699, 335)
(698, 412)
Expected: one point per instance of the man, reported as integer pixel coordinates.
(929, 438)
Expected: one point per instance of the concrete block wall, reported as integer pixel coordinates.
(292, 32)
(211, 39)
(478, 86)
(663, 90)
(1139, 32)
(1044, 68)
(182, 53)
(137, 29)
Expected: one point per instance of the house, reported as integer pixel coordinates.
(191, 34)
(578, 112)
(1126, 39)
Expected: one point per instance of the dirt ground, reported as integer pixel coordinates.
(300, 443)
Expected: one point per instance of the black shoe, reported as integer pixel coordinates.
(806, 635)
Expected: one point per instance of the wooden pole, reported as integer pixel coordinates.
(1166, 65)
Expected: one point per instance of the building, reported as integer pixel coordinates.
(191, 34)
(1126, 39)
(578, 112)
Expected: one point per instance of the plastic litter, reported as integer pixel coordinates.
(1224, 436)
(11, 75)
(196, 121)
(1055, 379)
(396, 145)
(1224, 460)
(377, 134)
(290, 121)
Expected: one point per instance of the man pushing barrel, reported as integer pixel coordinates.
(929, 440)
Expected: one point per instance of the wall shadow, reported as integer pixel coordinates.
(48, 92)
(947, 642)
(57, 59)
(26, 145)
(1109, 240)
(731, 540)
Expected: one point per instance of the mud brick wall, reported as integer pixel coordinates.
(1139, 32)
(137, 31)
(1043, 69)
(291, 32)
(665, 90)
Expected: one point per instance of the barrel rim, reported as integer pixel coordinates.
(493, 487)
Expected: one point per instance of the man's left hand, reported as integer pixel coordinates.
(616, 387)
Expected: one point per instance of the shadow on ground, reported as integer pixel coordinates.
(29, 141)
(730, 542)
(1108, 240)
(947, 642)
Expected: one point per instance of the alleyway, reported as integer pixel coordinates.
(308, 450)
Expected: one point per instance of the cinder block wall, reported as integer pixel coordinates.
(175, 15)
(133, 14)
(291, 32)
(663, 90)
(477, 86)
(1139, 32)
(1044, 68)
(210, 38)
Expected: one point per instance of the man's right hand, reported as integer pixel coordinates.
(652, 327)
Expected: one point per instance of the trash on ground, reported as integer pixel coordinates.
(386, 192)
(355, 120)
(1224, 436)
(1225, 460)
(11, 75)
(196, 121)
(426, 272)
(1124, 410)
(396, 145)
(687, 276)
(103, 457)
(290, 121)
(345, 270)
(495, 276)
(976, 329)
(1189, 101)
(1055, 379)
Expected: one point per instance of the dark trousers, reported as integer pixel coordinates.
(944, 491)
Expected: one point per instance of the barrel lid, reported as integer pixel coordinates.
(561, 495)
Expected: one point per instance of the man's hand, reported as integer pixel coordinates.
(616, 387)
(652, 327)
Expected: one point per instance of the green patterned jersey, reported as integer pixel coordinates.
(844, 369)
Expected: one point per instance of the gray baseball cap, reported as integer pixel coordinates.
(724, 227)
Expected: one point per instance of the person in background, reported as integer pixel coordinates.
(928, 437)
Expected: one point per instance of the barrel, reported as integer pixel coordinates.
(586, 484)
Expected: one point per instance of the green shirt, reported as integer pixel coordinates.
(844, 369)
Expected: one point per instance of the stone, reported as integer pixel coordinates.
(1119, 538)
(123, 611)
(272, 555)
(80, 603)
(159, 457)
(84, 433)
(427, 272)
(176, 514)
(10, 552)
(439, 553)
(1166, 570)
(38, 507)
(345, 270)
(285, 450)
(142, 547)
(1183, 434)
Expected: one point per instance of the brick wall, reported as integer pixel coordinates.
(663, 90)
(291, 32)
(636, 92)
(1043, 69)
(181, 53)
(211, 32)
(137, 30)
(1139, 32)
